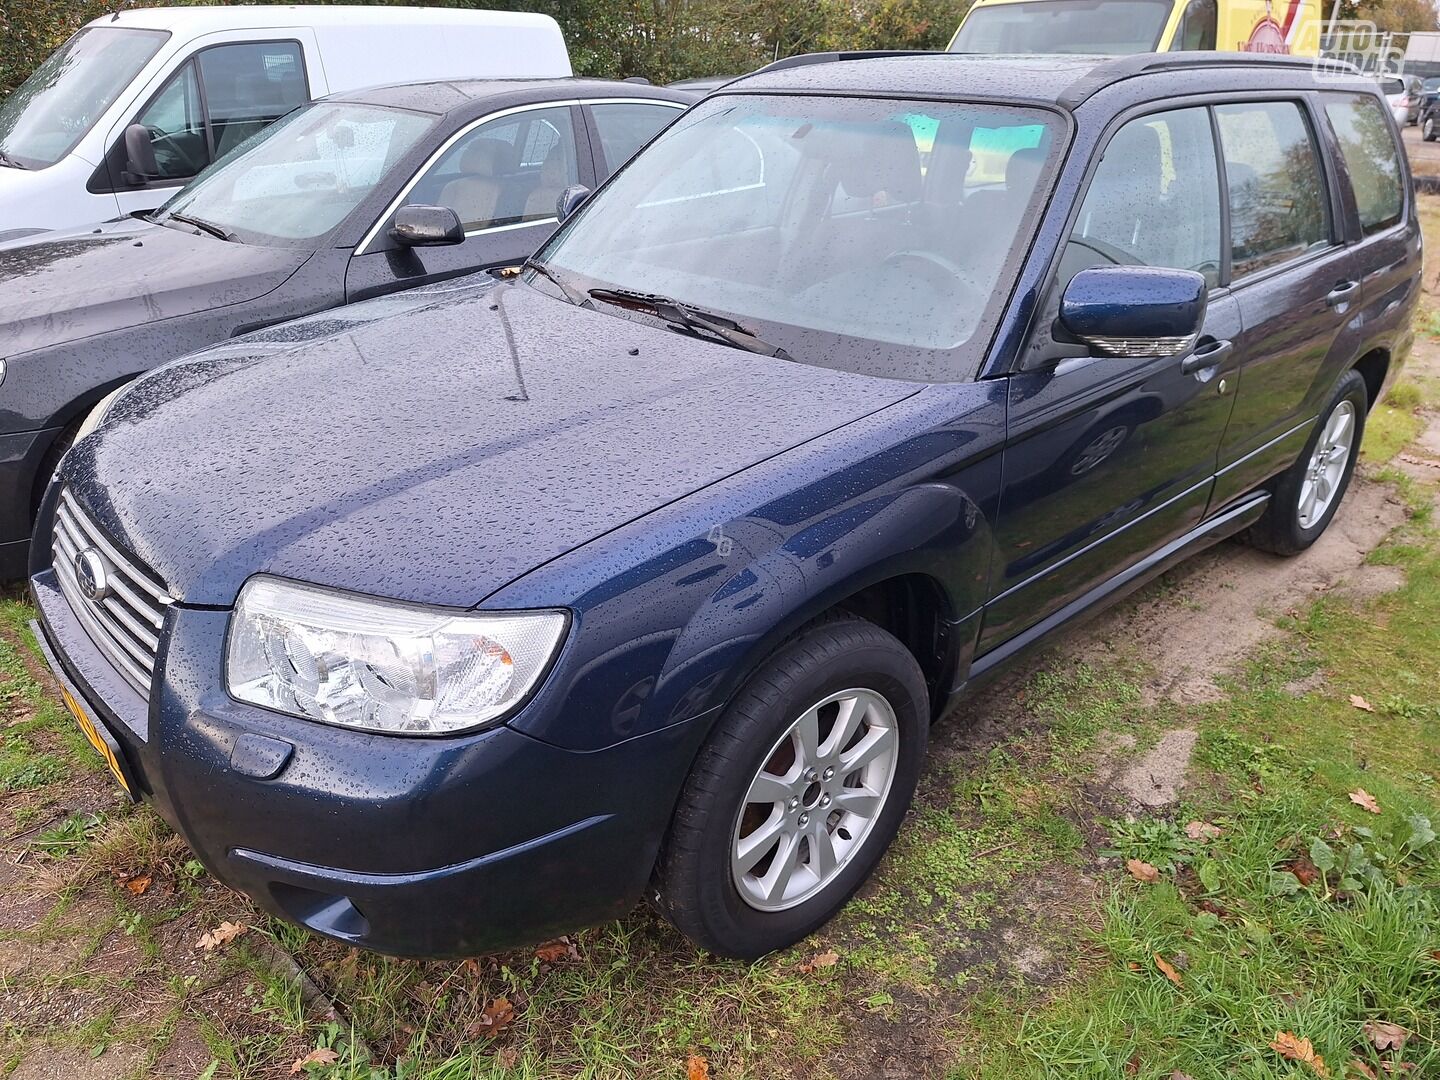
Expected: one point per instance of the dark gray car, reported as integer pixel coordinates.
(334, 203)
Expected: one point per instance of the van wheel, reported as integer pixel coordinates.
(1427, 129)
(798, 791)
(1308, 493)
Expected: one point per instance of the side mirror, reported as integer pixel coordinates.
(570, 200)
(417, 225)
(1135, 310)
(140, 164)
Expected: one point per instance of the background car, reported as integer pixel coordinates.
(346, 198)
(1403, 94)
(137, 103)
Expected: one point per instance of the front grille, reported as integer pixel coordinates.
(125, 618)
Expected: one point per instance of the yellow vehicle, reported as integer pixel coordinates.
(1134, 26)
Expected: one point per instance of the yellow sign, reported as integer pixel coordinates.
(88, 727)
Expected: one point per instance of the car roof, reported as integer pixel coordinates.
(446, 96)
(1060, 79)
(202, 19)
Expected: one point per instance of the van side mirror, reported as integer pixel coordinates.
(140, 164)
(570, 200)
(417, 225)
(1135, 311)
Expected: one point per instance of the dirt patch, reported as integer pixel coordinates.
(1155, 779)
(45, 1064)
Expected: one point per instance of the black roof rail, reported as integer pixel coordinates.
(806, 59)
(1126, 67)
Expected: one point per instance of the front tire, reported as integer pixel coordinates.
(1309, 493)
(798, 791)
(1428, 131)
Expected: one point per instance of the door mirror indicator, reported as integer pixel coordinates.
(1135, 310)
(417, 225)
(570, 200)
(140, 164)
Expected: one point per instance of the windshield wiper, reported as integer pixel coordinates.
(692, 318)
(213, 230)
(574, 296)
(9, 162)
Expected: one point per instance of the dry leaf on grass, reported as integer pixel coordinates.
(323, 1056)
(1304, 870)
(1167, 969)
(553, 951)
(223, 934)
(1364, 1070)
(1360, 703)
(493, 1018)
(1288, 1045)
(1178, 1075)
(135, 884)
(697, 1068)
(1363, 799)
(820, 960)
(1385, 1036)
(1202, 830)
(1142, 871)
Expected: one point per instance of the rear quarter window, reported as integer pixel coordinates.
(1371, 158)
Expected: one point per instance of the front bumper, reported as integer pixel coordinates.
(436, 847)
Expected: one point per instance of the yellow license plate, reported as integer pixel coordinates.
(96, 740)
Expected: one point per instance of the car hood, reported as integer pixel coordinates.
(440, 453)
(62, 286)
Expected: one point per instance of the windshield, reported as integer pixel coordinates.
(1104, 27)
(860, 234)
(299, 178)
(53, 109)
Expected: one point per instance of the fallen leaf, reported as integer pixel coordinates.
(1142, 871)
(507, 1057)
(1305, 870)
(1364, 1070)
(1363, 799)
(1360, 703)
(493, 1017)
(1167, 970)
(1132, 1067)
(697, 1068)
(820, 960)
(321, 1056)
(1202, 830)
(1385, 1036)
(553, 951)
(136, 884)
(223, 934)
(1178, 1075)
(1287, 1045)
(1393, 1067)
(1134, 966)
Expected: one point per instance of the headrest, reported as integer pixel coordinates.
(885, 159)
(484, 157)
(1023, 167)
(1135, 155)
(552, 169)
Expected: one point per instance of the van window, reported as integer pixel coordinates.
(507, 171)
(1197, 27)
(625, 127)
(1154, 200)
(246, 88)
(1277, 193)
(60, 102)
(1106, 27)
(1370, 158)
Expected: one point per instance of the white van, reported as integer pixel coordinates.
(136, 103)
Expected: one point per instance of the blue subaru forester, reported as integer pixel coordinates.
(464, 618)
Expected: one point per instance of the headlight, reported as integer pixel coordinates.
(96, 416)
(382, 665)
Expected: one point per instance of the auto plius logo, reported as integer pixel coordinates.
(92, 575)
(1270, 36)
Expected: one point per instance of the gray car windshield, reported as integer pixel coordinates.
(62, 99)
(862, 234)
(296, 180)
(1101, 27)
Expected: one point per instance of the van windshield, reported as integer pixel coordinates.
(51, 111)
(300, 177)
(1100, 27)
(868, 235)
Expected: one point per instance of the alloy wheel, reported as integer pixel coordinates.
(1327, 465)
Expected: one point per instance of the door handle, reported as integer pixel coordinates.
(1206, 356)
(1342, 292)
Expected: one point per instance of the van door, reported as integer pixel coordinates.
(1297, 284)
(230, 86)
(502, 176)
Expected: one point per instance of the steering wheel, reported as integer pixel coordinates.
(944, 273)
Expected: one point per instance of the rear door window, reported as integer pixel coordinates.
(1278, 207)
(624, 127)
(1371, 158)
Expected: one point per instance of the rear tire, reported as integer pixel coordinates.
(777, 825)
(1428, 131)
(1308, 494)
